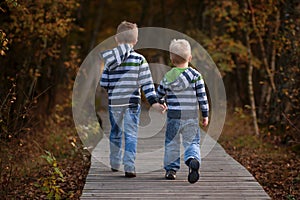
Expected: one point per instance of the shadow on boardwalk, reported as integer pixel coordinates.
(221, 176)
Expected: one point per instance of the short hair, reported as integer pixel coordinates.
(127, 32)
(180, 51)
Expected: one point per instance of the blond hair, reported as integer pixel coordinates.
(127, 33)
(180, 51)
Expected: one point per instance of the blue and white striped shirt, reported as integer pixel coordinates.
(125, 73)
(184, 94)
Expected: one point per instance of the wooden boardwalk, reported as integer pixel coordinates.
(221, 176)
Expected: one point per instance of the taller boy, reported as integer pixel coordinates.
(185, 91)
(125, 72)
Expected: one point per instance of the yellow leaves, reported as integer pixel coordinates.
(73, 141)
(3, 43)
(54, 163)
(12, 3)
(224, 11)
(46, 19)
(223, 48)
(2, 53)
(34, 73)
(50, 183)
(285, 91)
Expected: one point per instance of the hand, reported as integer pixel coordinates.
(165, 108)
(160, 107)
(205, 121)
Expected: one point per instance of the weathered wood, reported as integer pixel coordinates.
(221, 176)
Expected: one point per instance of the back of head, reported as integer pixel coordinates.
(127, 33)
(180, 51)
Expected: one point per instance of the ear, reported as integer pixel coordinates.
(171, 59)
(116, 39)
(134, 43)
(190, 58)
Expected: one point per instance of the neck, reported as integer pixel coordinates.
(131, 45)
(183, 65)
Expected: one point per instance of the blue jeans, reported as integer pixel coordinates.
(123, 119)
(190, 131)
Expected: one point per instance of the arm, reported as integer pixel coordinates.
(161, 93)
(104, 81)
(146, 82)
(202, 99)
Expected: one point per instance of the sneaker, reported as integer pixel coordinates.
(130, 174)
(114, 170)
(170, 175)
(193, 171)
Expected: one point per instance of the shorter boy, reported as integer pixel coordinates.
(126, 72)
(184, 91)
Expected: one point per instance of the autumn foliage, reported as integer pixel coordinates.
(255, 44)
(35, 59)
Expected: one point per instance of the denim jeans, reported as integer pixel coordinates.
(123, 119)
(190, 131)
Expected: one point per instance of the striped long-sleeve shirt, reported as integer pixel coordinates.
(184, 92)
(125, 73)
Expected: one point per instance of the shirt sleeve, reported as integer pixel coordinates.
(201, 96)
(104, 81)
(161, 92)
(146, 82)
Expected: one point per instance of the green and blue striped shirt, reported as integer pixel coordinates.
(184, 92)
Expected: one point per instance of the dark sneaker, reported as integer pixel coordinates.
(170, 175)
(130, 174)
(193, 171)
(114, 170)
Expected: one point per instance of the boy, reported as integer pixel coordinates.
(184, 91)
(124, 74)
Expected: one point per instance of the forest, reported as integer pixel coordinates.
(254, 44)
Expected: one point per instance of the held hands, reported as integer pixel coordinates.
(160, 107)
(205, 121)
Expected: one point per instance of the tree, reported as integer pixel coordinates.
(267, 32)
(250, 81)
(34, 65)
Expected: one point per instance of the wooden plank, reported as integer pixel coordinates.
(170, 195)
(221, 176)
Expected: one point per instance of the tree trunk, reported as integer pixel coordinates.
(95, 32)
(250, 87)
(262, 103)
(262, 48)
(276, 115)
(270, 73)
(250, 84)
